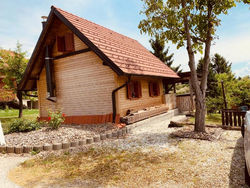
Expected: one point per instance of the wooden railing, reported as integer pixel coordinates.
(232, 118)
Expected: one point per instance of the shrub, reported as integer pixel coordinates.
(23, 125)
(56, 119)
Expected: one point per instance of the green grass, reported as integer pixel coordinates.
(211, 119)
(6, 116)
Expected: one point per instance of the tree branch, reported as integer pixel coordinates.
(207, 50)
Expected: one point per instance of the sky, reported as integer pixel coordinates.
(20, 20)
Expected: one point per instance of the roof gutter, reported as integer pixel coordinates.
(114, 100)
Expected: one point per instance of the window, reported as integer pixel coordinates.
(154, 89)
(134, 90)
(65, 43)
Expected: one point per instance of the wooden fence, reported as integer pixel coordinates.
(232, 118)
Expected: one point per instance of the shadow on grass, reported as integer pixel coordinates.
(237, 169)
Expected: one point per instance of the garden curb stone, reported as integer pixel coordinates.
(18, 149)
(64, 145)
(47, 147)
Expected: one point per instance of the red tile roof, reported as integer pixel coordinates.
(128, 54)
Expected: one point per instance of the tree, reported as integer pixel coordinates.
(237, 91)
(158, 46)
(13, 66)
(220, 64)
(217, 66)
(192, 24)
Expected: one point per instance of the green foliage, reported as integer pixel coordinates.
(7, 116)
(237, 92)
(166, 19)
(218, 65)
(13, 65)
(23, 125)
(158, 46)
(241, 91)
(56, 119)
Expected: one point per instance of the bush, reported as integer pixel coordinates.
(22, 125)
(56, 119)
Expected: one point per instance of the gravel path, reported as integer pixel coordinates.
(198, 163)
(148, 134)
(7, 163)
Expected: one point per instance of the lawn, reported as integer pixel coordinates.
(6, 116)
(211, 119)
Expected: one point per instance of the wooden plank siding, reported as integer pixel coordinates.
(83, 87)
(123, 103)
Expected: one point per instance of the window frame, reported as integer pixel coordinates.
(154, 89)
(65, 43)
(134, 87)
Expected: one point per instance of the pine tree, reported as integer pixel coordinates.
(217, 66)
(158, 46)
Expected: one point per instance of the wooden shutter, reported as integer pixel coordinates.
(158, 88)
(150, 87)
(129, 92)
(60, 44)
(69, 42)
(139, 90)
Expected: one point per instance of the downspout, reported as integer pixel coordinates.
(49, 75)
(113, 97)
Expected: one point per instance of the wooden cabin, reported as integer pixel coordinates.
(91, 73)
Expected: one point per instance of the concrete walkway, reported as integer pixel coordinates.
(7, 163)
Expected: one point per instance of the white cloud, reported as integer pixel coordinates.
(235, 48)
(244, 71)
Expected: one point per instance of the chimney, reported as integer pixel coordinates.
(44, 21)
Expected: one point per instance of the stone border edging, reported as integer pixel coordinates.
(65, 145)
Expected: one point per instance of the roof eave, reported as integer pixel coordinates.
(54, 12)
(30, 65)
(93, 47)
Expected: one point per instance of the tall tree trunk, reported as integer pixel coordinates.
(20, 98)
(199, 89)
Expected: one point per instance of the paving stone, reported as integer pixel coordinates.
(114, 134)
(109, 135)
(19, 149)
(2, 149)
(103, 136)
(119, 133)
(124, 131)
(65, 145)
(38, 148)
(97, 138)
(82, 142)
(57, 146)
(47, 147)
(74, 144)
(10, 149)
(89, 140)
(27, 149)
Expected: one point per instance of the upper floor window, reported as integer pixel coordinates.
(154, 89)
(65, 43)
(134, 90)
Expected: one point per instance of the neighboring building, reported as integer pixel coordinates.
(91, 73)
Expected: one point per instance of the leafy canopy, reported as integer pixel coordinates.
(13, 64)
(166, 18)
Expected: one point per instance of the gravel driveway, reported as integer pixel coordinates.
(196, 163)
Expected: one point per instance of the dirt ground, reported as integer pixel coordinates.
(148, 157)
